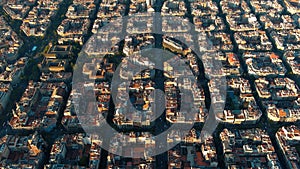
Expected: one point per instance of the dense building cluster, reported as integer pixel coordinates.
(75, 26)
(253, 147)
(22, 151)
(40, 17)
(280, 97)
(39, 106)
(253, 45)
(17, 9)
(241, 106)
(288, 140)
(10, 43)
